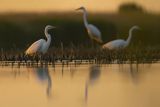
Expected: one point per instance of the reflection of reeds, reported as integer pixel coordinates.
(81, 55)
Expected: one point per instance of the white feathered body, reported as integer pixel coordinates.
(94, 33)
(39, 46)
(116, 44)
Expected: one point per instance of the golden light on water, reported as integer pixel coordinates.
(69, 5)
(109, 86)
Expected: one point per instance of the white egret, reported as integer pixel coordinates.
(120, 43)
(93, 31)
(41, 46)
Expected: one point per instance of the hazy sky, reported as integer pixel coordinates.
(68, 5)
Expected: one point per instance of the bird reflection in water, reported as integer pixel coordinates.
(132, 70)
(94, 75)
(43, 75)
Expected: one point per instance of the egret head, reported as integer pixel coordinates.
(81, 8)
(136, 27)
(49, 27)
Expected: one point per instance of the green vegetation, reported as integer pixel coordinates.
(18, 31)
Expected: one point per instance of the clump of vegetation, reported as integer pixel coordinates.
(131, 7)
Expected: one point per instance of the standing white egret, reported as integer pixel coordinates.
(93, 31)
(41, 46)
(120, 43)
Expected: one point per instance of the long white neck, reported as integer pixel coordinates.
(85, 17)
(130, 36)
(48, 36)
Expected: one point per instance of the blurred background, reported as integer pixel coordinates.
(23, 21)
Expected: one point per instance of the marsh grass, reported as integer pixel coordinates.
(82, 55)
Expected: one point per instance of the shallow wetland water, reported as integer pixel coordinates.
(88, 85)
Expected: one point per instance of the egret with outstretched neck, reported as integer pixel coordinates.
(120, 43)
(42, 45)
(92, 30)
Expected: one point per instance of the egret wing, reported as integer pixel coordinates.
(94, 30)
(108, 45)
(35, 47)
(115, 44)
(94, 33)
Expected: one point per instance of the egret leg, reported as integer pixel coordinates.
(34, 57)
(92, 43)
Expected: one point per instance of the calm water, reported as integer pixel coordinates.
(81, 86)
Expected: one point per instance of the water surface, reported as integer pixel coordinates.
(81, 86)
